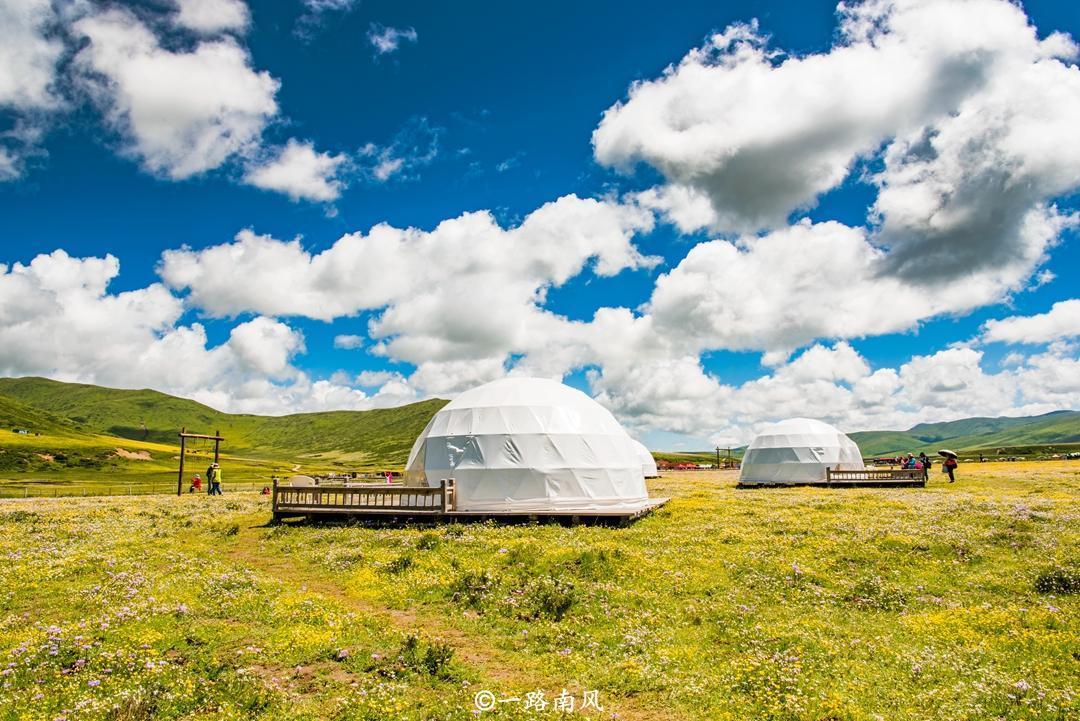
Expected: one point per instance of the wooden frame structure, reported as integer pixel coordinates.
(377, 501)
(184, 435)
(876, 477)
(865, 478)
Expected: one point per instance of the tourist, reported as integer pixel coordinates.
(949, 466)
(389, 477)
(215, 479)
(196, 484)
(926, 463)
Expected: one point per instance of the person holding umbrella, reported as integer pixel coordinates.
(949, 466)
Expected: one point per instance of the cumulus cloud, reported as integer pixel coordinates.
(210, 17)
(1060, 322)
(386, 39)
(780, 291)
(28, 55)
(349, 342)
(974, 118)
(837, 386)
(29, 52)
(301, 172)
(468, 291)
(180, 112)
(58, 319)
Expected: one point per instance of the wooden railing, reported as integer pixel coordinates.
(910, 475)
(373, 498)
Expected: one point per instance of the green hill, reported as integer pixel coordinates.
(1059, 427)
(19, 416)
(375, 437)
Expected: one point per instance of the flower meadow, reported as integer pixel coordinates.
(951, 602)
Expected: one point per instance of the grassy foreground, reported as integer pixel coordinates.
(953, 602)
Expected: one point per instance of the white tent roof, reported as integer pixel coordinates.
(521, 444)
(648, 463)
(798, 450)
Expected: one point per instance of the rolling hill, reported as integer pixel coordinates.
(375, 437)
(384, 436)
(1059, 427)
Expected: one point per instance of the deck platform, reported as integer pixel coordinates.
(393, 503)
(866, 478)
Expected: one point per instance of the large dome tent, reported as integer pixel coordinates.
(798, 451)
(648, 462)
(529, 444)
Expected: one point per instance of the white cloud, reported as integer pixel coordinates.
(210, 17)
(28, 55)
(300, 172)
(387, 39)
(676, 394)
(58, 319)
(468, 291)
(414, 146)
(349, 342)
(785, 289)
(1061, 321)
(29, 52)
(316, 13)
(182, 113)
(975, 118)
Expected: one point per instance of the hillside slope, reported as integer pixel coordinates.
(1059, 427)
(381, 436)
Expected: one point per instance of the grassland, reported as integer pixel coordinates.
(373, 438)
(950, 602)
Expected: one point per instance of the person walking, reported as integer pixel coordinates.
(215, 479)
(926, 463)
(949, 467)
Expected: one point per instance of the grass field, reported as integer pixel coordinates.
(953, 602)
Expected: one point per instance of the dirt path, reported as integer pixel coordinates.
(499, 671)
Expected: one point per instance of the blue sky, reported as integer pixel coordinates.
(493, 107)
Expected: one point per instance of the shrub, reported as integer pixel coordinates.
(427, 541)
(1058, 580)
(872, 592)
(400, 564)
(548, 597)
(431, 659)
(471, 588)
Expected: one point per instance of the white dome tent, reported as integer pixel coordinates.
(530, 444)
(798, 451)
(648, 463)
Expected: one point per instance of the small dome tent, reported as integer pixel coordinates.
(798, 450)
(529, 444)
(648, 463)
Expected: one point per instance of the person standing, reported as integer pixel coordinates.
(926, 463)
(215, 479)
(949, 467)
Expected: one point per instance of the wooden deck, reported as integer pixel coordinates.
(866, 478)
(396, 503)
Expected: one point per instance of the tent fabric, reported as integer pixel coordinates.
(529, 444)
(648, 463)
(798, 450)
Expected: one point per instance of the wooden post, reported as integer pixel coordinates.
(217, 444)
(180, 475)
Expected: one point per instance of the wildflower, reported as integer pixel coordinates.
(93, 682)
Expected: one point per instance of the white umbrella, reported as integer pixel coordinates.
(947, 453)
